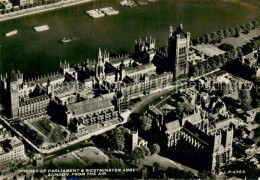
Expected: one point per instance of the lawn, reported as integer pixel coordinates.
(242, 39)
(165, 163)
(67, 162)
(52, 131)
(91, 155)
(56, 136)
(209, 49)
(43, 125)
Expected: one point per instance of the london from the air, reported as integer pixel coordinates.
(129, 89)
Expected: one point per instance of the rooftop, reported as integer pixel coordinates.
(35, 99)
(90, 105)
(53, 77)
(117, 60)
(155, 110)
(173, 125)
(140, 68)
(198, 134)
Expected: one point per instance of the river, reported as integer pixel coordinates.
(40, 53)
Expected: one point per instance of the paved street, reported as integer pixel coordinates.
(40, 9)
(149, 98)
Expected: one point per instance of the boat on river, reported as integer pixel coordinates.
(41, 28)
(95, 13)
(66, 40)
(109, 11)
(11, 33)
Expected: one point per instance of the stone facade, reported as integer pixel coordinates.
(178, 52)
(13, 154)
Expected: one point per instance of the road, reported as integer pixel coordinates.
(149, 98)
(40, 9)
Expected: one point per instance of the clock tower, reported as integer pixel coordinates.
(13, 90)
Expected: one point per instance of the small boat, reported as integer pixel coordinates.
(11, 33)
(123, 3)
(41, 28)
(66, 40)
(109, 11)
(95, 13)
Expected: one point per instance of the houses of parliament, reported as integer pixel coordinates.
(128, 76)
(98, 91)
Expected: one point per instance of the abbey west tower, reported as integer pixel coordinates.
(178, 52)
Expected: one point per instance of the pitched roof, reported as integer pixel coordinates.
(173, 125)
(195, 117)
(198, 134)
(140, 68)
(35, 99)
(155, 110)
(120, 59)
(89, 105)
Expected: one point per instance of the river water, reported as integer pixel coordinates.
(40, 53)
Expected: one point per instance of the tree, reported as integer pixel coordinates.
(221, 34)
(227, 33)
(155, 149)
(257, 118)
(138, 154)
(238, 31)
(243, 28)
(147, 152)
(227, 55)
(116, 138)
(156, 166)
(134, 120)
(245, 99)
(222, 58)
(193, 70)
(196, 41)
(239, 51)
(249, 26)
(217, 60)
(214, 37)
(207, 38)
(226, 47)
(207, 66)
(232, 32)
(212, 64)
(116, 163)
(205, 175)
(145, 123)
(201, 68)
(234, 53)
(255, 24)
(202, 39)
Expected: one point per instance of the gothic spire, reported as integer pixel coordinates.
(180, 22)
(12, 68)
(99, 52)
